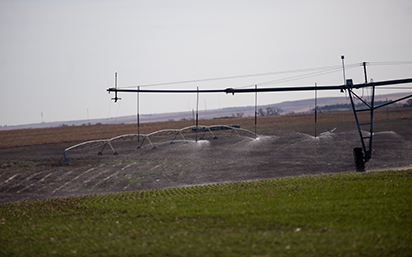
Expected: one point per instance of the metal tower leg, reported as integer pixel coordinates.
(363, 154)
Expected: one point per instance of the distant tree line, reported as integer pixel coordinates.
(408, 103)
(237, 115)
(84, 124)
(333, 107)
(270, 111)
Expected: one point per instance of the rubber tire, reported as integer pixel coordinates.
(359, 159)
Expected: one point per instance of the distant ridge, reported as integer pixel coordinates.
(298, 106)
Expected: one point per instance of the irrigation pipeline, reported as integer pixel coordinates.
(103, 143)
(275, 89)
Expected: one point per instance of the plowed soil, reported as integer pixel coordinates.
(30, 159)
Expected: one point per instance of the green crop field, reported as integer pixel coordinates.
(346, 214)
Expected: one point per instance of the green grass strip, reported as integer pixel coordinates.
(346, 214)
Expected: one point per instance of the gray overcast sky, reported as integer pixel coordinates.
(59, 57)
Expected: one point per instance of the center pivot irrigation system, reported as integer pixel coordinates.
(365, 128)
(361, 154)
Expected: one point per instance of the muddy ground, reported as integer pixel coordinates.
(33, 172)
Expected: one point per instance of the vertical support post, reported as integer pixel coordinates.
(368, 154)
(115, 86)
(316, 109)
(364, 71)
(363, 154)
(358, 152)
(255, 109)
(205, 107)
(343, 68)
(193, 116)
(138, 114)
(387, 110)
(197, 112)
(64, 160)
(356, 119)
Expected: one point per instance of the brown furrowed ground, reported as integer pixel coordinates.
(29, 159)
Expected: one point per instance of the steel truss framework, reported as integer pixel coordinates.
(361, 154)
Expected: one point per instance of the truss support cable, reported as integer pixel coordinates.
(386, 104)
(360, 99)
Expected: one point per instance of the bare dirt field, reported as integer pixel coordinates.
(286, 146)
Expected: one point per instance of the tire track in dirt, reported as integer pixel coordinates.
(75, 178)
(57, 179)
(101, 181)
(10, 182)
(113, 178)
(29, 179)
(45, 184)
(12, 177)
(141, 174)
(94, 179)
